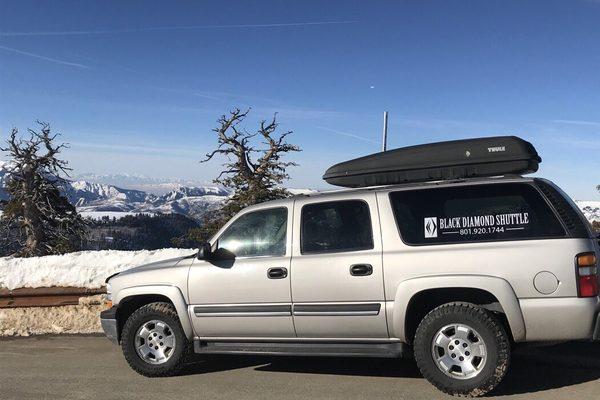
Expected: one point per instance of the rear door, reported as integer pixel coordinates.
(337, 277)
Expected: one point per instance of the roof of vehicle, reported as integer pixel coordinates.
(423, 185)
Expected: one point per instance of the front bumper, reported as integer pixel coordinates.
(108, 320)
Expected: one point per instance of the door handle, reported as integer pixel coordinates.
(361, 269)
(277, 273)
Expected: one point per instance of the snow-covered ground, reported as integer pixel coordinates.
(591, 209)
(86, 269)
(82, 269)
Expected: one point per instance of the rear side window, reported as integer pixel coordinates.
(336, 226)
(510, 211)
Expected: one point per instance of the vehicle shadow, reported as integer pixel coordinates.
(533, 368)
(307, 365)
(375, 367)
(210, 364)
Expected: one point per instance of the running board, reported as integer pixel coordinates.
(384, 350)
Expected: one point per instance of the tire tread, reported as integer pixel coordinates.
(164, 309)
(502, 346)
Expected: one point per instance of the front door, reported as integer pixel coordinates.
(337, 275)
(245, 290)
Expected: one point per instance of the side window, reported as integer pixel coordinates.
(336, 226)
(510, 211)
(258, 233)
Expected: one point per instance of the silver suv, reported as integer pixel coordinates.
(455, 272)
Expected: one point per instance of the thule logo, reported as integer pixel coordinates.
(496, 149)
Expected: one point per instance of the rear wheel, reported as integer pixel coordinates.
(462, 349)
(153, 341)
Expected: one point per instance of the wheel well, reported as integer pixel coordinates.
(425, 301)
(128, 305)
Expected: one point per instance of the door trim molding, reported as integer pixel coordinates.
(279, 310)
(337, 309)
(244, 310)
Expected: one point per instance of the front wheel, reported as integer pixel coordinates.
(462, 349)
(153, 341)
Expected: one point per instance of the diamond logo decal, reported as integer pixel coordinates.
(431, 227)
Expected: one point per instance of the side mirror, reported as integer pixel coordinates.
(204, 251)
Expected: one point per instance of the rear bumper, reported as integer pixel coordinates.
(563, 318)
(108, 320)
(597, 329)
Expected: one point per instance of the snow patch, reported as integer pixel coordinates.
(86, 269)
(299, 191)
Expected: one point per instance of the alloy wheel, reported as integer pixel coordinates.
(155, 342)
(459, 351)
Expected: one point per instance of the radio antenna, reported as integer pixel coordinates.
(385, 124)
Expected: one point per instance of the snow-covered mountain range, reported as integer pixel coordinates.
(158, 186)
(97, 199)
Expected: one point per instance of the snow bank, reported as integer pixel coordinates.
(86, 269)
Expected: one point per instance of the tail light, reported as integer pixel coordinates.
(587, 273)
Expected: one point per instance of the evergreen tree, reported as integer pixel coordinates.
(253, 173)
(47, 223)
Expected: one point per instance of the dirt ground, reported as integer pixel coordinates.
(81, 318)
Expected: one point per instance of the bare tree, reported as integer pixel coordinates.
(47, 222)
(255, 168)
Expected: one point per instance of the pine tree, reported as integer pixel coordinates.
(253, 174)
(47, 223)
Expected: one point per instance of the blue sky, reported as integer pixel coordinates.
(136, 86)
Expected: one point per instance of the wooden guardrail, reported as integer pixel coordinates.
(45, 296)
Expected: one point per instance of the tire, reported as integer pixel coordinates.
(155, 329)
(443, 339)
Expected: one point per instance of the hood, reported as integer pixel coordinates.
(170, 263)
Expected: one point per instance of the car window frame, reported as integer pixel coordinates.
(529, 184)
(301, 244)
(242, 214)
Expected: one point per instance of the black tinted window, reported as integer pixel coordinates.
(258, 233)
(474, 213)
(336, 226)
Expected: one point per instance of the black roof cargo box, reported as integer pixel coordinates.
(457, 159)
